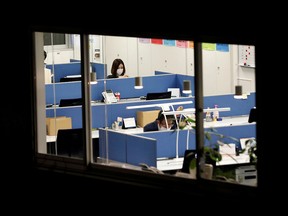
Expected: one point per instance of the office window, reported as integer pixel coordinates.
(54, 39)
(88, 112)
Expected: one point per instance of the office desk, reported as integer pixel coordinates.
(128, 131)
(170, 164)
(228, 121)
(95, 134)
(234, 160)
(51, 140)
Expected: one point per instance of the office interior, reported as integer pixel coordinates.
(180, 179)
(162, 64)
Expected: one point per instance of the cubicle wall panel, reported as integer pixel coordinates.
(240, 131)
(96, 90)
(179, 82)
(98, 117)
(65, 90)
(120, 109)
(99, 69)
(74, 112)
(126, 88)
(186, 140)
(141, 150)
(74, 68)
(172, 143)
(66, 69)
(115, 147)
(238, 107)
(166, 143)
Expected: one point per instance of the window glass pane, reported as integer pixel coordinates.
(59, 107)
(118, 137)
(54, 39)
(229, 96)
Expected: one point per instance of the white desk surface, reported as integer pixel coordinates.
(170, 164)
(129, 131)
(228, 121)
(232, 160)
(95, 134)
(176, 163)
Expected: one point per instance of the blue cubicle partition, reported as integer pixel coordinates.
(98, 117)
(159, 83)
(74, 68)
(117, 151)
(74, 112)
(235, 131)
(141, 150)
(167, 142)
(144, 147)
(66, 90)
(148, 146)
(126, 88)
(238, 107)
(65, 69)
(100, 70)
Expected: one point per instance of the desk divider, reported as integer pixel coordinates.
(146, 147)
(74, 68)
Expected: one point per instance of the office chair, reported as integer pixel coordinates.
(189, 155)
(252, 115)
(70, 142)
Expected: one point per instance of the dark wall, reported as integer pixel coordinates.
(18, 117)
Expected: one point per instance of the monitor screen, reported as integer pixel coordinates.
(158, 95)
(70, 102)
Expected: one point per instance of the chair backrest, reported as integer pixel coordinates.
(189, 155)
(70, 142)
(252, 115)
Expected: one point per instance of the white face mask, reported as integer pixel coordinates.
(119, 71)
(161, 128)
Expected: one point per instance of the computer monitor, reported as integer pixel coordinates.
(158, 95)
(71, 78)
(70, 102)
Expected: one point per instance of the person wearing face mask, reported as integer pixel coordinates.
(160, 124)
(118, 69)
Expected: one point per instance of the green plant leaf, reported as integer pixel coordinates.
(192, 164)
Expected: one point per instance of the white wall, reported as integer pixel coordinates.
(221, 70)
(59, 56)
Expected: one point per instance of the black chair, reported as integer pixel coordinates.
(70, 142)
(189, 155)
(252, 115)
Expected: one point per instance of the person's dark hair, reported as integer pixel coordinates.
(45, 54)
(161, 116)
(115, 66)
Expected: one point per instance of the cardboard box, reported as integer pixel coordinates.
(145, 117)
(54, 124)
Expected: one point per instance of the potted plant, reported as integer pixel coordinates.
(213, 141)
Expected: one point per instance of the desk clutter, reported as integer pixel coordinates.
(54, 124)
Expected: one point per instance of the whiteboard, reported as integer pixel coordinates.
(246, 55)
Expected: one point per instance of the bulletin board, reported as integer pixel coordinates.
(246, 56)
